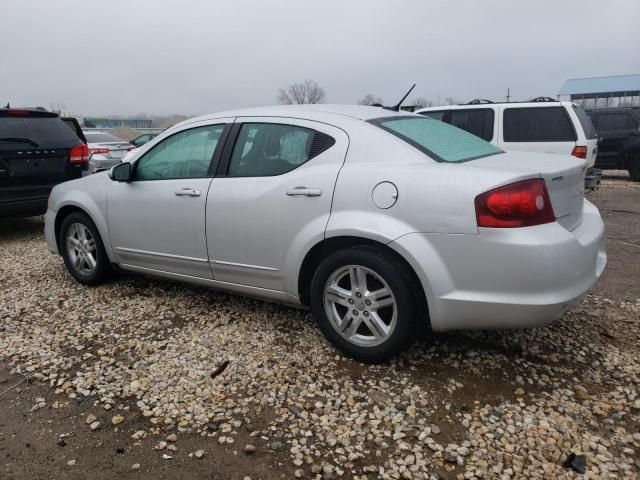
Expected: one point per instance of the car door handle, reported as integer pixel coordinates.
(188, 192)
(304, 192)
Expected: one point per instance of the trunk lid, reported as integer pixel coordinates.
(563, 176)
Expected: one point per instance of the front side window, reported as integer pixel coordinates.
(541, 124)
(478, 121)
(440, 141)
(186, 154)
(268, 149)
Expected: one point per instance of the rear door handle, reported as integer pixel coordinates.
(304, 192)
(188, 192)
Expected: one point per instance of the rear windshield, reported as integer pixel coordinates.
(538, 124)
(102, 137)
(441, 141)
(41, 130)
(585, 121)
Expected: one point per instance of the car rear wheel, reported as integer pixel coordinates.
(364, 303)
(82, 249)
(634, 168)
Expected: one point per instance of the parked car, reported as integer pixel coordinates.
(383, 223)
(37, 151)
(542, 125)
(619, 139)
(105, 150)
(142, 139)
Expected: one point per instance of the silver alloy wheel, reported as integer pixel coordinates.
(81, 248)
(360, 305)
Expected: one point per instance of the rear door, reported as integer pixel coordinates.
(271, 199)
(545, 129)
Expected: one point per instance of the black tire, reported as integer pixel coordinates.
(102, 270)
(397, 278)
(634, 168)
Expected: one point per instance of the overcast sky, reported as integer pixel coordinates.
(192, 57)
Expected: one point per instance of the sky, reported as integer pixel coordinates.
(123, 57)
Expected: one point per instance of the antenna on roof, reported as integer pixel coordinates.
(396, 108)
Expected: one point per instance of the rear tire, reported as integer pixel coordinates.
(634, 168)
(82, 249)
(365, 303)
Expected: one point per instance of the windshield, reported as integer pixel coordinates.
(439, 140)
(102, 138)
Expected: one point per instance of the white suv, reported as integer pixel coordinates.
(541, 125)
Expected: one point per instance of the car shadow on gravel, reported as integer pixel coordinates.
(12, 229)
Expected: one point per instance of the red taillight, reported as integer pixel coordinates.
(580, 152)
(79, 154)
(99, 150)
(520, 204)
(131, 148)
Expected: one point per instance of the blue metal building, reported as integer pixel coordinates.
(603, 92)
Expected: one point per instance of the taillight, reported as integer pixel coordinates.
(99, 150)
(79, 154)
(580, 152)
(520, 204)
(131, 148)
(14, 112)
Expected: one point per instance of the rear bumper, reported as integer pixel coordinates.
(592, 179)
(507, 278)
(98, 163)
(24, 207)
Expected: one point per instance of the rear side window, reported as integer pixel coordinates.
(41, 130)
(585, 122)
(542, 124)
(439, 140)
(477, 121)
(435, 115)
(616, 121)
(268, 149)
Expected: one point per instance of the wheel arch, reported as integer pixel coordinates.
(68, 209)
(333, 244)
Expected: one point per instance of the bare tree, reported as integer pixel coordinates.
(421, 102)
(452, 101)
(305, 92)
(370, 99)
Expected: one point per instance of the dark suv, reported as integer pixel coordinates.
(37, 151)
(618, 139)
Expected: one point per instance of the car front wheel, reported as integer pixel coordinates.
(82, 249)
(365, 303)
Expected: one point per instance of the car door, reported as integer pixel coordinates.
(614, 128)
(157, 220)
(271, 199)
(537, 129)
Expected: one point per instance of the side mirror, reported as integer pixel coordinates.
(121, 172)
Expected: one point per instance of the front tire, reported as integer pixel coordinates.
(365, 303)
(82, 249)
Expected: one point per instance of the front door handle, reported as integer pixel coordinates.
(304, 192)
(188, 192)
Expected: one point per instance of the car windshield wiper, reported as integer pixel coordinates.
(18, 140)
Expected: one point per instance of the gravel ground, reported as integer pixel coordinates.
(246, 379)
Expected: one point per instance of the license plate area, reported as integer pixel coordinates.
(36, 165)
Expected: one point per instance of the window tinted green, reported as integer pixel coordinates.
(439, 140)
(266, 149)
(186, 154)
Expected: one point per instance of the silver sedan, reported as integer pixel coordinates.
(385, 224)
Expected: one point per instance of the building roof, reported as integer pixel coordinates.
(617, 83)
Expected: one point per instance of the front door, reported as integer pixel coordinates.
(157, 220)
(271, 199)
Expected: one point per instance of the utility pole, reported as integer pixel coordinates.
(508, 96)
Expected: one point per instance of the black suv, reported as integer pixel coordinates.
(37, 151)
(618, 139)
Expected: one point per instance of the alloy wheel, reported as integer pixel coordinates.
(360, 305)
(81, 248)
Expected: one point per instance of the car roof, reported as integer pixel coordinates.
(319, 112)
(491, 105)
